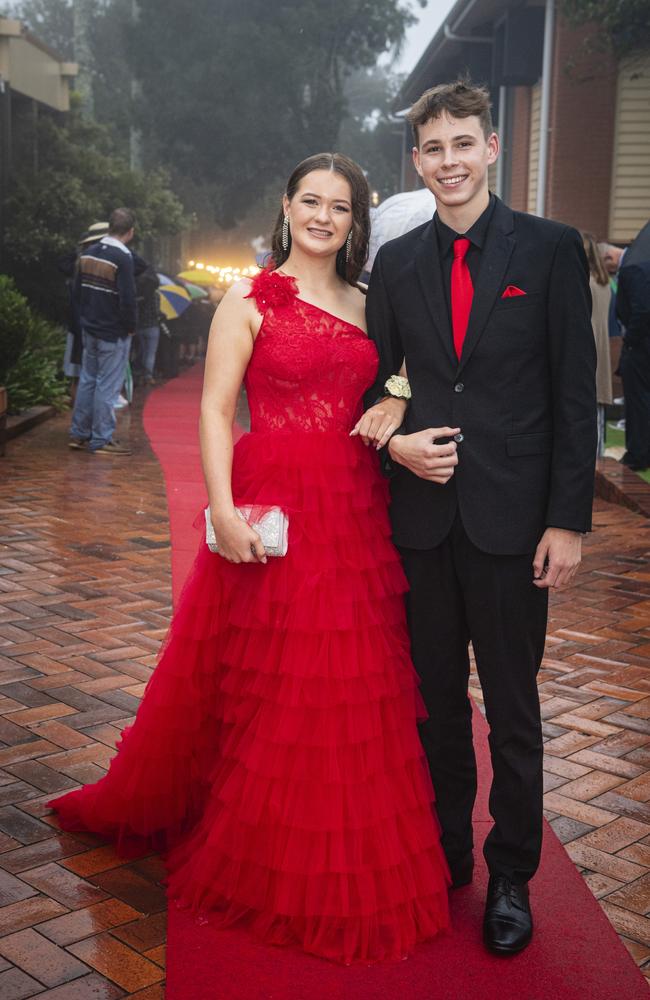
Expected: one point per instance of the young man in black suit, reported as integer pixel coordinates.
(493, 473)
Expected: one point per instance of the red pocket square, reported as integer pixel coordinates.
(511, 291)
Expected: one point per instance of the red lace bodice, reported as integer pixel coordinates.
(309, 368)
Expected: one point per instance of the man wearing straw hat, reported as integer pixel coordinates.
(105, 289)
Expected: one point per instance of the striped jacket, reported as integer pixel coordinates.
(105, 290)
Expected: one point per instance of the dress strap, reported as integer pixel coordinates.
(272, 289)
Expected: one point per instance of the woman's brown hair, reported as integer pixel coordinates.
(596, 264)
(350, 269)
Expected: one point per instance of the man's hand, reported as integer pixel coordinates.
(380, 421)
(557, 558)
(418, 453)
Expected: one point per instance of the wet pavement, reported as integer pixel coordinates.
(85, 599)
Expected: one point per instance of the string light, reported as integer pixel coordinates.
(225, 275)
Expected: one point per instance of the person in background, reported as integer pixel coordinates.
(204, 320)
(601, 295)
(188, 329)
(67, 265)
(148, 328)
(612, 259)
(633, 310)
(104, 286)
(167, 356)
(125, 392)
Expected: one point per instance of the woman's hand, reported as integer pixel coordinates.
(380, 421)
(237, 541)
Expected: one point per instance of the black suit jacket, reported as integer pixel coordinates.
(523, 392)
(633, 301)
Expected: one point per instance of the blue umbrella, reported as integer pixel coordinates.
(174, 300)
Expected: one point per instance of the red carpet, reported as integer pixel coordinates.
(171, 420)
(575, 955)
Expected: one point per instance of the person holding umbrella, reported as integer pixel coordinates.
(175, 301)
(148, 329)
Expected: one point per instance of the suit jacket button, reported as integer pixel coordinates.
(459, 437)
(459, 387)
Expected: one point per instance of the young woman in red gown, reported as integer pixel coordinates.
(275, 758)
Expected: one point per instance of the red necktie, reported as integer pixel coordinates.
(462, 292)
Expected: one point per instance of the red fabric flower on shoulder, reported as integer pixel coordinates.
(272, 289)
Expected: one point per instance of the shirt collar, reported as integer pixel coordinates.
(476, 234)
(111, 241)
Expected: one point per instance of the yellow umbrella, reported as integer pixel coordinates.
(199, 277)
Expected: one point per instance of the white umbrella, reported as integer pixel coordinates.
(398, 215)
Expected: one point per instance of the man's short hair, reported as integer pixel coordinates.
(460, 99)
(121, 221)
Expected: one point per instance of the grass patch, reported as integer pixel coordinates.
(614, 438)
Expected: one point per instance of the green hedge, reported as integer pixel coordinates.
(14, 323)
(31, 354)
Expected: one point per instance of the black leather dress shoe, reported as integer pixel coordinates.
(635, 465)
(462, 871)
(508, 922)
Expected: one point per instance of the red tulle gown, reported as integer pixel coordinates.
(275, 757)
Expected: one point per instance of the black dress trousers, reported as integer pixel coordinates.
(635, 372)
(460, 594)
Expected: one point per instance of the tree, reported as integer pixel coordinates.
(623, 25)
(51, 21)
(369, 133)
(237, 95)
(233, 96)
(79, 181)
(97, 38)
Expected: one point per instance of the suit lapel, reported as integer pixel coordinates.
(427, 264)
(495, 257)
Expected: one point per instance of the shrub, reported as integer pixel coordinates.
(31, 354)
(35, 381)
(46, 339)
(15, 318)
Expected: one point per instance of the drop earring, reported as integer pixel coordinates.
(348, 246)
(285, 233)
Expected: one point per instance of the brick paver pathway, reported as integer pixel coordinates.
(84, 604)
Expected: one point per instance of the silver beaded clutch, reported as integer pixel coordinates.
(272, 526)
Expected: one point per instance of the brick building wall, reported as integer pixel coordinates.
(581, 140)
(517, 197)
(411, 178)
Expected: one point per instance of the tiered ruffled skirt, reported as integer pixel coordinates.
(275, 758)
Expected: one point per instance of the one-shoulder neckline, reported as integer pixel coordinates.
(339, 319)
(326, 312)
